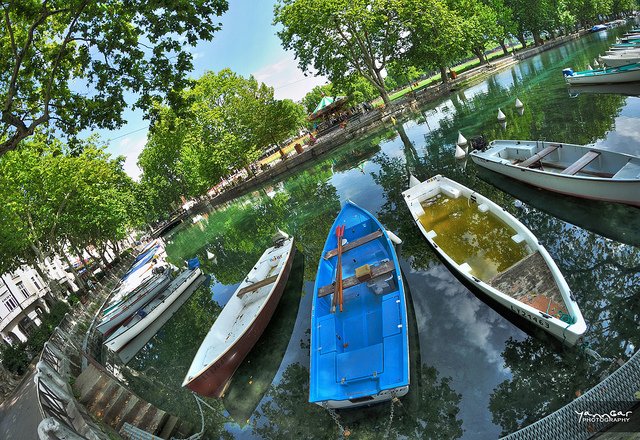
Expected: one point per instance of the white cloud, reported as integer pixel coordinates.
(287, 79)
(131, 147)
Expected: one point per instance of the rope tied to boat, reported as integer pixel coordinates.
(394, 400)
(344, 432)
(198, 435)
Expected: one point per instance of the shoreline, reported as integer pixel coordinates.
(364, 124)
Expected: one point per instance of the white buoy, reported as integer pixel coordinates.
(589, 67)
(210, 255)
(462, 141)
(595, 62)
(519, 103)
(394, 238)
(413, 181)
(501, 116)
(460, 153)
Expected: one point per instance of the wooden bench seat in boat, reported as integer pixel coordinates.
(530, 281)
(631, 170)
(376, 271)
(256, 286)
(538, 156)
(580, 163)
(354, 244)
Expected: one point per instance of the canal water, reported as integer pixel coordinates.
(474, 373)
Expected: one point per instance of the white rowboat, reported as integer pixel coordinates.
(241, 322)
(627, 73)
(581, 171)
(495, 253)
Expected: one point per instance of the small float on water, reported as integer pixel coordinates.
(491, 250)
(359, 338)
(242, 321)
(578, 170)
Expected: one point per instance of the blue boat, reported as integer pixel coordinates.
(359, 355)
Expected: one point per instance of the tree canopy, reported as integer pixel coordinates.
(68, 64)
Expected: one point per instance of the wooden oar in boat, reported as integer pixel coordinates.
(339, 235)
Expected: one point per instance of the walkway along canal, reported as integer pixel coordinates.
(475, 374)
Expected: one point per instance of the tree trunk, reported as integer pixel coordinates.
(505, 50)
(480, 54)
(76, 277)
(522, 40)
(443, 75)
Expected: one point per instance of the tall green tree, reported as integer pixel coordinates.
(69, 63)
(442, 28)
(340, 37)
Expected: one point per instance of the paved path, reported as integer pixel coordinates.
(20, 414)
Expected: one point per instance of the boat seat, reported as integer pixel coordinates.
(538, 156)
(376, 271)
(454, 193)
(580, 163)
(363, 363)
(256, 286)
(354, 244)
(631, 170)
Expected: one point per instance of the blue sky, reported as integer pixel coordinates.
(248, 44)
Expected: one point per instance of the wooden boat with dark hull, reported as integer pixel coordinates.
(241, 322)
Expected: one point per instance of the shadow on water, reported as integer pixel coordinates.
(612, 220)
(252, 380)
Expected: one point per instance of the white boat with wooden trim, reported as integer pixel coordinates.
(577, 170)
(492, 251)
(151, 312)
(242, 321)
(621, 58)
(622, 74)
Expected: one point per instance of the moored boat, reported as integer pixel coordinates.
(116, 315)
(144, 316)
(627, 73)
(622, 58)
(495, 253)
(581, 171)
(359, 338)
(242, 321)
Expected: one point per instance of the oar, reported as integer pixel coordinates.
(339, 235)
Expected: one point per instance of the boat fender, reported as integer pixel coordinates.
(394, 238)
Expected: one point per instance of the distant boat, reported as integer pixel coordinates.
(152, 311)
(581, 171)
(622, 58)
(120, 312)
(359, 355)
(241, 322)
(628, 73)
(598, 28)
(493, 252)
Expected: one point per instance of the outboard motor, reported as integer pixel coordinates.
(567, 72)
(478, 143)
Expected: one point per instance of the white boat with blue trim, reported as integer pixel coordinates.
(627, 73)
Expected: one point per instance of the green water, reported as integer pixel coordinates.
(470, 236)
(474, 373)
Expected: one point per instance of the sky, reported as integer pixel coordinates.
(248, 45)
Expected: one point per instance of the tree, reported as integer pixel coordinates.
(69, 63)
(442, 28)
(279, 120)
(481, 26)
(340, 37)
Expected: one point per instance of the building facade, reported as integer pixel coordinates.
(23, 296)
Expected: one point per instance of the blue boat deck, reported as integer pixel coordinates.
(362, 350)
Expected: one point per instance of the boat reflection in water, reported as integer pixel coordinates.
(627, 89)
(612, 220)
(254, 376)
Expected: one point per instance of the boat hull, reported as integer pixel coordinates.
(213, 381)
(569, 335)
(131, 305)
(605, 78)
(605, 189)
(120, 338)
